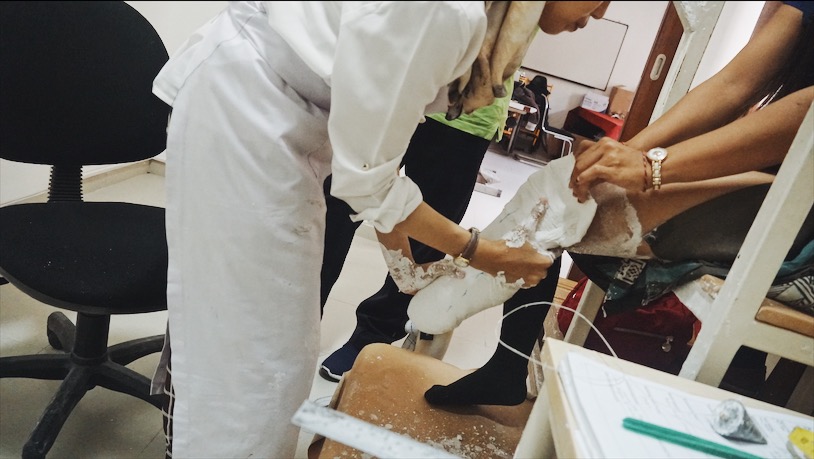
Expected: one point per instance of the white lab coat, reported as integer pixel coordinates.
(268, 99)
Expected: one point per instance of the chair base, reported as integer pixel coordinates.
(89, 364)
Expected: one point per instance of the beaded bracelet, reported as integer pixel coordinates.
(644, 163)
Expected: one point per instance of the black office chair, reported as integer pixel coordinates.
(76, 91)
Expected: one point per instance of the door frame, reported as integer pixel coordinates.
(698, 20)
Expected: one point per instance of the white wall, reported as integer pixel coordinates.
(734, 28)
(175, 20)
(643, 20)
(731, 33)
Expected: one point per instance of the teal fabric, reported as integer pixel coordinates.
(630, 284)
(486, 122)
(798, 263)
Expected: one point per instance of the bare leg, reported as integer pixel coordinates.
(612, 224)
(617, 229)
(622, 219)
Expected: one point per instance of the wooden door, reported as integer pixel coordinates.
(654, 73)
(682, 39)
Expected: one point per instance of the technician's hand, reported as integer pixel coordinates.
(607, 161)
(515, 263)
(410, 277)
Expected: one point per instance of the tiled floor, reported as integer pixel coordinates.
(110, 425)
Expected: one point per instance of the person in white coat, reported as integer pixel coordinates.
(268, 99)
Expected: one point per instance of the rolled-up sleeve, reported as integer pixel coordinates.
(391, 60)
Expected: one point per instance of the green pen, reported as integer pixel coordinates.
(685, 439)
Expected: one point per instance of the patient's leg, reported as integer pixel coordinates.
(616, 224)
(611, 224)
(502, 380)
(623, 218)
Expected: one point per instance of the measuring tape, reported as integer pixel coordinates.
(358, 434)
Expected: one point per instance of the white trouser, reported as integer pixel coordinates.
(246, 157)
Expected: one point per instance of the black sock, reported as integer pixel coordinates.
(502, 380)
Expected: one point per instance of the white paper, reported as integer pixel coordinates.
(601, 397)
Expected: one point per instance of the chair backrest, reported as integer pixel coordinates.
(543, 105)
(77, 83)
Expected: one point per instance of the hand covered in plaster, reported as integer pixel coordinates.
(411, 277)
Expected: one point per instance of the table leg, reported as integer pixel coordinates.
(537, 440)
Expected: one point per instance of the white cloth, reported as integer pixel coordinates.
(248, 149)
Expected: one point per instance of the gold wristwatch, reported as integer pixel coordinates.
(465, 257)
(656, 156)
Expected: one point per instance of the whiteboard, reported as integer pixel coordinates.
(585, 57)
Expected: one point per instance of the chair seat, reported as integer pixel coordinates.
(87, 256)
(385, 388)
(771, 312)
(778, 314)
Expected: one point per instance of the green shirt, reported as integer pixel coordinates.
(485, 122)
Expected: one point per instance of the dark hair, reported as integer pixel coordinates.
(539, 85)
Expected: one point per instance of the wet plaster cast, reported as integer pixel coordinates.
(411, 277)
(543, 212)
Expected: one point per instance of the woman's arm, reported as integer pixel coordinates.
(490, 256)
(754, 142)
(720, 99)
(389, 73)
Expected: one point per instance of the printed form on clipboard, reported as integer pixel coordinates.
(600, 397)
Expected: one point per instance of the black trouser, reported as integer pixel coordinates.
(444, 163)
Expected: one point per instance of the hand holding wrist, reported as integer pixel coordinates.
(494, 257)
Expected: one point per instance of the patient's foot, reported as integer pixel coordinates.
(502, 381)
(493, 384)
(443, 305)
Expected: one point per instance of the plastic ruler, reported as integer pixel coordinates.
(358, 434)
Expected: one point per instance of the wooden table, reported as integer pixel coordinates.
(517, 111)
(610, 125)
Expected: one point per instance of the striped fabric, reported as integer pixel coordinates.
(166, 411)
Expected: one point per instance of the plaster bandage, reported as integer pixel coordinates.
(544, 213)
(616, 230)
(410, 277)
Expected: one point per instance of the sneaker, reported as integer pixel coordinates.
(338, 363)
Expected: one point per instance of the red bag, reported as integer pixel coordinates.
(658, 335)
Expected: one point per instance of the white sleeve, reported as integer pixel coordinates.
(391, 60)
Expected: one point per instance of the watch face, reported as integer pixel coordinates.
(657, 154)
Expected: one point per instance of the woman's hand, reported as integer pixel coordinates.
(608, 161)
(408, 275)
(491, 256)
(523, 262)
(411, 277)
